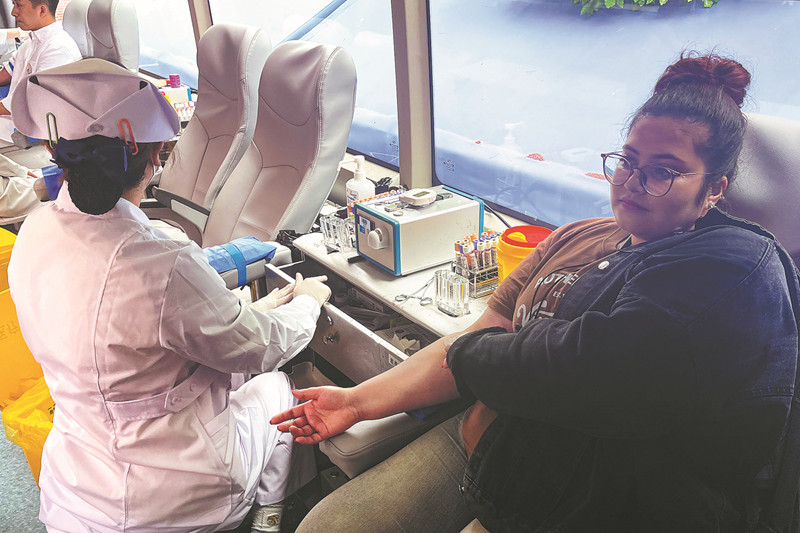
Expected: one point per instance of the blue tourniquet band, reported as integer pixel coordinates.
(238, 254)
(238, 259)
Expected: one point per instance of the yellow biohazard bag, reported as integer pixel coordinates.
(28, 421)
(18, 370)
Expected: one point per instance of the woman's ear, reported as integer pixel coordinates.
(154, 155)
(716, 190)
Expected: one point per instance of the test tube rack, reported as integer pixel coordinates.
(476, 260)
(482, 281)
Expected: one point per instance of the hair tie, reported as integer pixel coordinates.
(110, 158)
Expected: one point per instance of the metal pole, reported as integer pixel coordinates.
(200, 11)
(412, 69)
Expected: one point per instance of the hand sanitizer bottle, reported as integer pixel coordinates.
(358, 187)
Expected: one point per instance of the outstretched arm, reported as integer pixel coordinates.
(419, 381)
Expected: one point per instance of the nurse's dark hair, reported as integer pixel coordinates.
(706, 89)
(52, 5)
(100, 169)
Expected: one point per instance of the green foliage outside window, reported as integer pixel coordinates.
(590, 6)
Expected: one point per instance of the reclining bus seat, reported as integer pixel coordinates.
(76, 23)
(114, 32)
(230, 58)
(767, 186)
(305, 109)
(108, 29)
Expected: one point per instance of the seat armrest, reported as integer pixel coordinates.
(195, 213)
(369, 442)
(150, 203)
(255, 270)
(283, 255)
(155, 210)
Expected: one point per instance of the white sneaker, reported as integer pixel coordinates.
(267, 519)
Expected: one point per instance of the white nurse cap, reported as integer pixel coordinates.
(92, 97)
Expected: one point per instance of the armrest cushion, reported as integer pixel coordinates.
(369, 442)
(255, 270)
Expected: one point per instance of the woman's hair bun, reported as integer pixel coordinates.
(92, 192)
(100, 169)
(709, 69)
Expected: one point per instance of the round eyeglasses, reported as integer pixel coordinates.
(655, 179)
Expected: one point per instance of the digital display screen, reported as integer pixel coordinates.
(421, 194)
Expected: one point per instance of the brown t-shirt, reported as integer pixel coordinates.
(535, 288)
(539, 283)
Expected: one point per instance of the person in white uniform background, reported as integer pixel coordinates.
(138, 336)
(11, 34)
(48, 46)
(21, 191)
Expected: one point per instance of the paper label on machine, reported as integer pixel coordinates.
(365, 225)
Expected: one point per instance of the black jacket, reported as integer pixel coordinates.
(652, 399)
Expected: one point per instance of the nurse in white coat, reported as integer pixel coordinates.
(138, 336)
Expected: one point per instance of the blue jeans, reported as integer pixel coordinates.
(414, 491)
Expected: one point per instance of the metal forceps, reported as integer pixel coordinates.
(423, 300)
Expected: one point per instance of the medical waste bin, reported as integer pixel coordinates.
(515, 244)
(18, 370)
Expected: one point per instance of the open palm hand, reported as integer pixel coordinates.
(326, 411)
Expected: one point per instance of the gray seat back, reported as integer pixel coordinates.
(305, 110)
(767, 186)
(114, 31)
(230, 58)
(76, 23)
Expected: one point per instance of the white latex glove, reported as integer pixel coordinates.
(313, 287)
(275, 298)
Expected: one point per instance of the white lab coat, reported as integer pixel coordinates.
(137, 336)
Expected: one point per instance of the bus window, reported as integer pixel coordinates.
(278, 18)
(166, 39)
(526, 95)
(364, 29)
